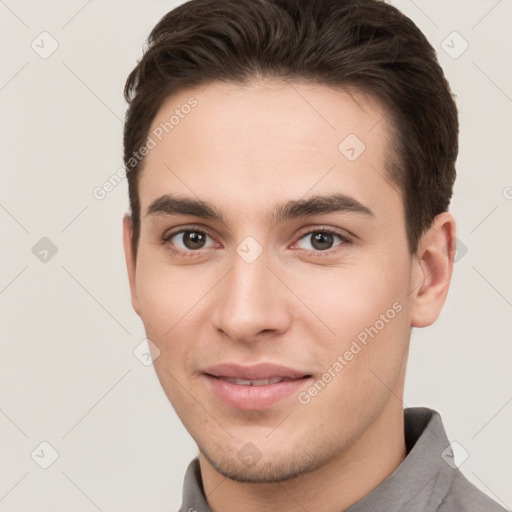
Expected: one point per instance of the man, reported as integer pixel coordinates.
(291, 164)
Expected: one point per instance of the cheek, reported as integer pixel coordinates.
(174, 310)
(156, 300)
(365, 307)
(350, 298)
(167, 297)
(365, 358)
(166, 292)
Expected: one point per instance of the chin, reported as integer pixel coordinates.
(249, 465)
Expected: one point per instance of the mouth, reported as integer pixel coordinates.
(254, 387)
(254, 373)
(258, 382)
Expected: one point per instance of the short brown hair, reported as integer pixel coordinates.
(363, 44)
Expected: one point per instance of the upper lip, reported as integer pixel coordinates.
(254, 372)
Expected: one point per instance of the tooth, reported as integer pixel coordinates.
(259, 382)
(240, 382)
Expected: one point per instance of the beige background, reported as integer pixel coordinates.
(68, 373)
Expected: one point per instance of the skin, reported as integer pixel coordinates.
(244, 149)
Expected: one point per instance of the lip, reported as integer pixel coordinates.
(250, 397)
(254, 372)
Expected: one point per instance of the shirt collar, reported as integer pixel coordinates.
(420, 482)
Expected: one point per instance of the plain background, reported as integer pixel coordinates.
(68, 373)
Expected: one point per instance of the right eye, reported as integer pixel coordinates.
(187, 241)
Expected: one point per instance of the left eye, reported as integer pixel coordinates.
(321, 240)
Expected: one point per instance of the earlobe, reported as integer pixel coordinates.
(129, 256)
(433, 270)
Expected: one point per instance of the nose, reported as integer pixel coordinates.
(251, 301)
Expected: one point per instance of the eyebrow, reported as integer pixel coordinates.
(171, 204)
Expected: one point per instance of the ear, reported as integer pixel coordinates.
(130, 259)
(432, 272)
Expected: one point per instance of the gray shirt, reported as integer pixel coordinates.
(427, 480)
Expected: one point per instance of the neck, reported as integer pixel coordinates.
(335, 486)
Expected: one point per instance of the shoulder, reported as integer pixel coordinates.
(464, 496)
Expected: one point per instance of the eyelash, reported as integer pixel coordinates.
(328, 252)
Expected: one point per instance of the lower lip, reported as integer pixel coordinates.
(253, 397)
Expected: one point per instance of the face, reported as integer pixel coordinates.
(281, 320)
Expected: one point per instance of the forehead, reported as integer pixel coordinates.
(270, 139)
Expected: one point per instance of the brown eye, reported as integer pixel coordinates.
(187, 240)
(321, 240)
(193, 239)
